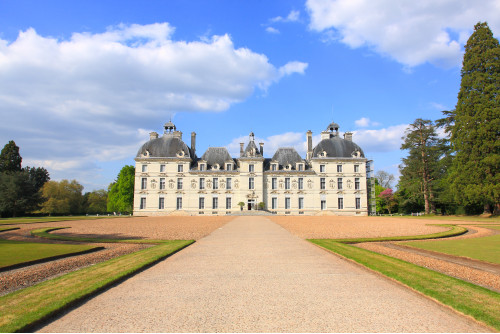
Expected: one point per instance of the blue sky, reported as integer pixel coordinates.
(82, 83)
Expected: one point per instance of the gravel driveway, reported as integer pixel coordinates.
(251, 275)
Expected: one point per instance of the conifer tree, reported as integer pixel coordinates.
(10, 159)
(474, 125)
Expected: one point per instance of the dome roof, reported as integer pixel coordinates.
(286, 155)
(336, 147)
(332, 126)
(164, 147)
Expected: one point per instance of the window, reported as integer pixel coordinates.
(339, 183)
(287, 203)
(301, 203)
(179, 203)
(144, 168)
(215, 183)
(274, 182)
(341, 203)
(143, 203)
(201, 203)
(180, 168)
(301, 167)
(251, 183)
(228, 203)
(215, 203)
(356, 168)
(322, 183)
(228, 183)
(274, 203)
(202, 166)
(274, 167)
(162, 168)
(251, 168)
(358, 203)
(161, 203)
(323, 204)
(301, 183)
(287, 183)
(162, 183)
(202, 183)
(179, 183)
(356, 183)
(339, 168)
(229, 167)
(321, 168)
(144, 183)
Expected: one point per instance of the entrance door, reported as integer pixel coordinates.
(251, 203)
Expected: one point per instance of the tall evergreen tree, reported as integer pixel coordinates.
(10, 159)
(475, 123)
(121, 192)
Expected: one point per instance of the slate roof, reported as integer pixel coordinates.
(164, 147)
(336, 147)
(287, 155)
(251, 145)
(216, 155)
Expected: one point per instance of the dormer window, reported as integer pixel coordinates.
(229, 167)
(215, 167)
(274, 167)
(300, 167)
(202, 166)
(288, 167)
(180, 154)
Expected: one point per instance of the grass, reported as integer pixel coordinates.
(16, 253)
(482, 249)
(5, 229)
(478, 302)
(22, 309)
(493, 219)
(34, 220)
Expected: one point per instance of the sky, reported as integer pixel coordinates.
(82, 83)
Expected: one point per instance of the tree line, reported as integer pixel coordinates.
(457, 173)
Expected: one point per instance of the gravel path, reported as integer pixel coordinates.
(253, 276)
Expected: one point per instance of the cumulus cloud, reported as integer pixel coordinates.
(293, 16)
(380, 140)
(412, 32)
(271, 143)
(80, 100)
(364, 122)
(272, 30)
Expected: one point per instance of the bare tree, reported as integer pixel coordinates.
(384, 179)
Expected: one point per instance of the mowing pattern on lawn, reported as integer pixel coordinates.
(26, 307)
(34, 220)
(5, 229)
(16, 253)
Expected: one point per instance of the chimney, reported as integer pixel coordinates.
(241, 149)
(193, 144)
(326, 135)
(261, 148)
(153, 135)
(348, 136)
(309, 135)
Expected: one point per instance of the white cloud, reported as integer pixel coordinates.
(380, 140)
(364, 122)
(272, 30)
(71, 103)
(411, 32)
(271, 143)
(293, 16)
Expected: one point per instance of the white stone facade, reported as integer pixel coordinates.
(171, 180)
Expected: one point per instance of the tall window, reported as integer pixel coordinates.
(202, 183)
(215, 203)
(215, 183)
(341, 203)
(301, 167)
(356, 168)
(202, 166)
(274, 203)
(339, 168)
(322, 183)
(229, 167)
(301, 183)
(323, 204)
(144, 183)
(201, 203)
(143, 203)
(144, 168)
(301, 203)
(161, 203)
(287, 183)
(287, 203)
(356, 183)
(358, 203)
(228, 203)
(251, 183)
(228, 183)
(274, 182)
(179, 203)
(162, 183)
(274, 167)
(179, 183)
(180, 168)
(321, 168)
(339, 183)
(162, 168)
(251, 168)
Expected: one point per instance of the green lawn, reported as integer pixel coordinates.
(18, 252)
(478, 302)
(478, 219)
(34, 220)
(483, 249)
(5, 229)
(23, 308)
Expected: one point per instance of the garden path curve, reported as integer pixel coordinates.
(252, 275)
